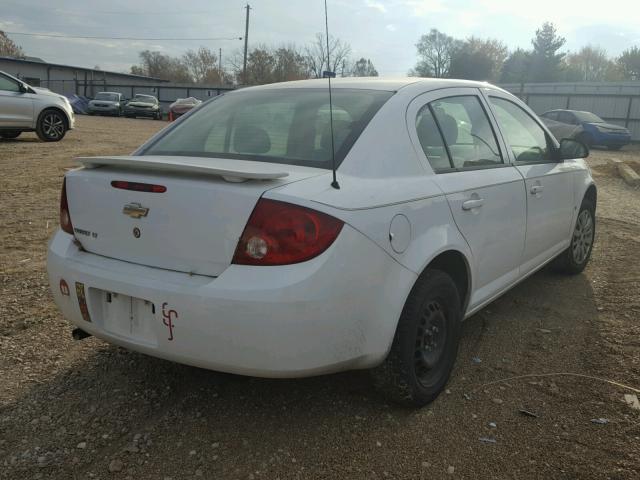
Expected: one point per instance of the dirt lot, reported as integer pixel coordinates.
(90, 410)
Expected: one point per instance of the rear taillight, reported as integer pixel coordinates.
(280, 233)
(138, 187)
(65, 218)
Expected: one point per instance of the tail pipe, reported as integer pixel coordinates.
(79, 334)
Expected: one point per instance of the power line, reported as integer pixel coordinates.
(120, 38)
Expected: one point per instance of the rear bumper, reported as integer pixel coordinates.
(336, 312)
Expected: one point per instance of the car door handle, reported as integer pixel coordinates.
(475, 203)
(535, 189)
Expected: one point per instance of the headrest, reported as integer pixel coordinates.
(251, 139)
(449, 128)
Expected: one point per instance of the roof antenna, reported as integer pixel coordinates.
(328, 74)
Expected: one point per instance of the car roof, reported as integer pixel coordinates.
(110, 93)
(375, 83)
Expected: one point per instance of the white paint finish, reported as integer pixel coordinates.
(220, 167)
(339, 310)
(400, 233)
(550, 209)
(192, 227)
(335, 312)
(489, 209)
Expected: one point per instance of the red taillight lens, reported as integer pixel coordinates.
(65, 218)
(280, 233)
(138, 187)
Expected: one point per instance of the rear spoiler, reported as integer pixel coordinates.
(230, 170)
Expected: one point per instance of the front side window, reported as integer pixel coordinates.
(288, 126)
(467, 132)
(8, 85)
(527, 139)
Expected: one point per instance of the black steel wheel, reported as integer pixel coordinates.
(425, 345)
(52, 125)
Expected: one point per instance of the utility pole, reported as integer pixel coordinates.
(220, 64)
(246, 43)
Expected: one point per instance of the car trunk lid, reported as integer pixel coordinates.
(192, 226)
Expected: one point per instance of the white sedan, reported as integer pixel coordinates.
(223, 242)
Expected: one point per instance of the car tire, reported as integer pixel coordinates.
(575, 258)
(425, 344)
(10, 135)
(51, 126)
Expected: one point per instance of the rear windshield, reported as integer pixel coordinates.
(282, 126)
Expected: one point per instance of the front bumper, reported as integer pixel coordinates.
(140, 112)
(335, 312)
(113, 110)
(613, 139)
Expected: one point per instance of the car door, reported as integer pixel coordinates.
(16, 107)
(549, 183)
(484, 191)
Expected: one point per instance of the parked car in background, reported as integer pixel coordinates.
(182, 106)
(223, 242)
(106, 103)
(24, 108)
(143, 106)
(587, 127)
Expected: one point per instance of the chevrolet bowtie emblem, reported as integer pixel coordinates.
(135, 210)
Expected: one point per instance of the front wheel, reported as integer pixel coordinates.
(425, 345)
(52, 126)
(575, 258)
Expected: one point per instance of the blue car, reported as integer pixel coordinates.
(587, 127)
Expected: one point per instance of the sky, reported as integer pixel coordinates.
(385, 31)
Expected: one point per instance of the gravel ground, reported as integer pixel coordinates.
(76, 410)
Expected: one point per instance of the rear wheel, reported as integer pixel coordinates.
(10, 135)
(425, 345)
(52, 126)
(575, 258)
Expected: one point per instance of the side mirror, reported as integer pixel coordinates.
(23, 88)
(570, 148)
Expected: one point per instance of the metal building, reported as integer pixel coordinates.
(67, 79)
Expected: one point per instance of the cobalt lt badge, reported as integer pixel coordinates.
(136, 232)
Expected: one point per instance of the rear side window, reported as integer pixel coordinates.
(288, 126)
(469, 140)
(527, 139)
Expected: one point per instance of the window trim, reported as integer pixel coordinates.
(446, 145)
(550, 143)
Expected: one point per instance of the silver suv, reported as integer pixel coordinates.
(24, 108)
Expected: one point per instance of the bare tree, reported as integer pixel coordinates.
(590, 64)
(316, 55)
(157, 64)
(363, 68)
(202, 65)
(434, 51)
(8, 48)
